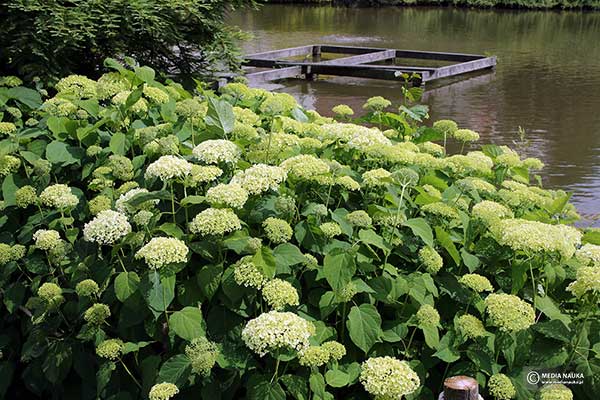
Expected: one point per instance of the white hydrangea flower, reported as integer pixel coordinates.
(168, 167)
(217, 151)
(277, 330)
(388, 378)
(232, 195)
(589, 254)
(215, 221)
(260, 178)
(106, 228)
(58, 196)
(161, 251)
(121, 203)
(46, 239)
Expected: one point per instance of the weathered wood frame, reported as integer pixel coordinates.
(357, 63)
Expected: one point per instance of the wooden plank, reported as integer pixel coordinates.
(363, 58)
(283, 53)
(360, 71)
(274, 74)
(463, 68)
(423, 55)
(363, 66)
(329, 48)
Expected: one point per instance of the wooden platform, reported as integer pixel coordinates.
(305, 62)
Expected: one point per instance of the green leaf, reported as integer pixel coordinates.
(547, 306)
(447, 354)
(176, 370)
(119, 144)
(432, 336)
(126, 284)
(192, 200)
(471, 261)
(317, 384)
(103, 377)
(336, 378)
(287, 254)
(58, 361)
(133, 97)
(130, 347)
(31, 98)
(158, 292)
(141, 198)
(219, 117)
(339, 268)
(187, 323)
(368, 236)
(296, 386)
(554, 329)
(209, 279)
(59, 153)
(145, 73)
(260, 387)
(421, 228)
(265, 261)
(444, 238)
(364, 326)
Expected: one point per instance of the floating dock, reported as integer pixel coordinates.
(305, 62)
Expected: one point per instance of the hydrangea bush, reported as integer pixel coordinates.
(158, 243)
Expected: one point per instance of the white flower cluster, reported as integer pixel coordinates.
(305, 166)
(46, 239)
(168, 167)
(489, 211)
(231, 195)
(388, 378)
(260, 178)
(217, 151)
(365, 140)
(277, 330)
(215, 221)
(122, 206)
(106, 228)
(161, 251)
(588, 281)
(589, 254)
(279, 293)
(58, 196)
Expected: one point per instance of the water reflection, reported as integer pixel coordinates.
(547, 79)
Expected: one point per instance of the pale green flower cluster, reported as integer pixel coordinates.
(97, 314)
(59, 107)
(142, 218)
(99, 203)
(190, 108)
(10, 81)
(330, 229)
(163, 391)
(476, 283)
(432, 148)
(376, 177)
(7, 128)
(244, 131)
(260, 178)
(501, 387)
(347, 183)
(470, 326)
(555, 392)
(489, 211)
(313, 356)
(246, 116)
(476, 184)
(78, 86)
(377, 103)
(276, 330)
(388, 378)
(46, 239)
(536, 237)
(359, 218)
(428, 316)
(58, 196)
(279, 293)
(162, 251)
(371, 140)
(9, 164)
(285, 204)
(123, 207)
(508, 312)
(347, 292)
(121, 167)
(247, 274)
(110, 84)
(155, 94)
(215, 221)
(335, 349)
(533, 163)
(471, 164)
(202, 354)
(588, 281)
(589, 254)
(277, 230)
(441, 210)
(217, 151)
(50, 292)
(342, 110)
(465, 135)
(106, 228)
(87, 288)
(229, 195)
(305, 167)
(278, 103)
(168, 167)
(110, 349)
(431, 259)
(201, 174)
(446, 126)
(10, 253)
(139, 107)
(517, 194)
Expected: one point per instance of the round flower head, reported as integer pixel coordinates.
(11, 253)
(310, 261)
(246, 116)
(110, 349)
(46, 239)
(446, 126)
(229, 195)
(377, 103)
(441, 210)
(278, 103)
(25, 196)
(155, 95)
(10, 81)
(247, 274)
(305, 167)
(346, 293)
(215, 221)
(87, 288)
(189, 108)
(96, 314)
(588, 281)
(217, 151)
(501, 387)
(168, 167)
(99, 204)
(478, 185)
(348, 183)
(388, 378)
(428, 316)
(122, 167)
(202, 174)
(277, 230)
(589, 254)
(49, 291)
(279, 293)
(476, 283)
(359, 218)
(335, 349)
(533, 163)
(470, 326)
(260, 178)
(330, 229)
(277, 330)
(106, 228)
(202, 354)
(139, 107)
(163, 391)
(431, 259)
(7, 128)
(123, 207)
(405, 177)
(41, 167)
(78, 86)
(342, 110)
(376, 177)
(465, 135)
(142, 217)
(509, 313)
(161, 251)
(489, 211)
(534, 237)
(285, 205)
(58, 196)
(313, 356)
(93, 150)
(555, 392)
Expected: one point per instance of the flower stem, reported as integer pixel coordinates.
(130, 374)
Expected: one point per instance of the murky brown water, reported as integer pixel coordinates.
(547, 79)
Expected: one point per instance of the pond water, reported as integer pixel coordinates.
(547, 79)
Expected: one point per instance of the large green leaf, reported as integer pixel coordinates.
(364, 326)
(339, 268)
(187, 323)
(58, 152)
(421, 228)
(219, 117)
(175, 370)
(260, 387)
(119, 144)
(126, 283)
(158, 292)
(444, 238)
